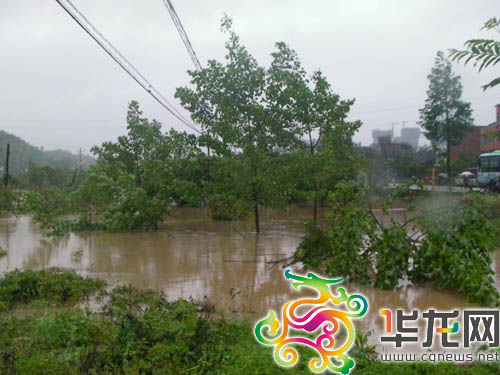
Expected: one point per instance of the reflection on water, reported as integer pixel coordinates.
(193, 256)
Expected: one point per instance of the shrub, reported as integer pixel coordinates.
(451, 250)
(53, 286)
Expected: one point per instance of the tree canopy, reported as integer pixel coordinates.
(445, 117)
(258, 119)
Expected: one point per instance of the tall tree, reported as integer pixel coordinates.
(138, 176)
(445, 117)
(229, 101)
(309, 103)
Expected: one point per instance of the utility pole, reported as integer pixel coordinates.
(6, 176)
(77, 168)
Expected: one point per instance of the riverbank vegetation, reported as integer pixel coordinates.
(142, 332)
(446, 243)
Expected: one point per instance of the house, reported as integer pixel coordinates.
(490, 134)
(478, 140)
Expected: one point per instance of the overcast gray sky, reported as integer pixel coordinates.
(58, 89)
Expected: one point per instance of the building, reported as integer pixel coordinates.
(479, 139)
(377, 134)
(470, 147)
(490, 134)
(410, 136)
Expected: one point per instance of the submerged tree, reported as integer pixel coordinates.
(132, 185)
(325, 154)
(229, 101)
(130, 179)
(138, 177)
(447, 245)
(445, 116)
(271, 125)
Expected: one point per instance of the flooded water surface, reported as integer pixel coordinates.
(193, 256)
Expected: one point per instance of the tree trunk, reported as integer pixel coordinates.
(448, 162)
(315, 187)
(77, 169)
(315, 208)
(256, 212)
(255, 195)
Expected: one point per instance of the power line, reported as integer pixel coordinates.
(137, 77)
(185, 40)
(122, 57)
(182, 33)
(146, 85)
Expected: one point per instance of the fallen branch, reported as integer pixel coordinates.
(275, 262)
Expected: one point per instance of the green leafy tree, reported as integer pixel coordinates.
(131, 175)
(132, 185)
(229, 101)
(188, 168)
(44, 176)
(139, 176)
(452, 249)
(325, 154)
(408, 166)
(445, 117)
(483, 52)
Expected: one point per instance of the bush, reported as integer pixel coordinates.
(52, 286)
(452, 249)
(489, 206)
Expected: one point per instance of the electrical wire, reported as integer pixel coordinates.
(122, 57)
(137, 77)
(183, 34)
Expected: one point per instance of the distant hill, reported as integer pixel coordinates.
(22, 154)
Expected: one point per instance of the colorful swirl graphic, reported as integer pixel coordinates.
(321, 317)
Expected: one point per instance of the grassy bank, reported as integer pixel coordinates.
(44, 331)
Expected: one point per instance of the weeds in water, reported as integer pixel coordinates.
(76, 255)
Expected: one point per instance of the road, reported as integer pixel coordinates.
(440, 188)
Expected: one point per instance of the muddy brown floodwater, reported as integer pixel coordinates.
(193, 256)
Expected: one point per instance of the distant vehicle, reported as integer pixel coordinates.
(489, 169)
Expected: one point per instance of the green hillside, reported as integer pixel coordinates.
(22, 154)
